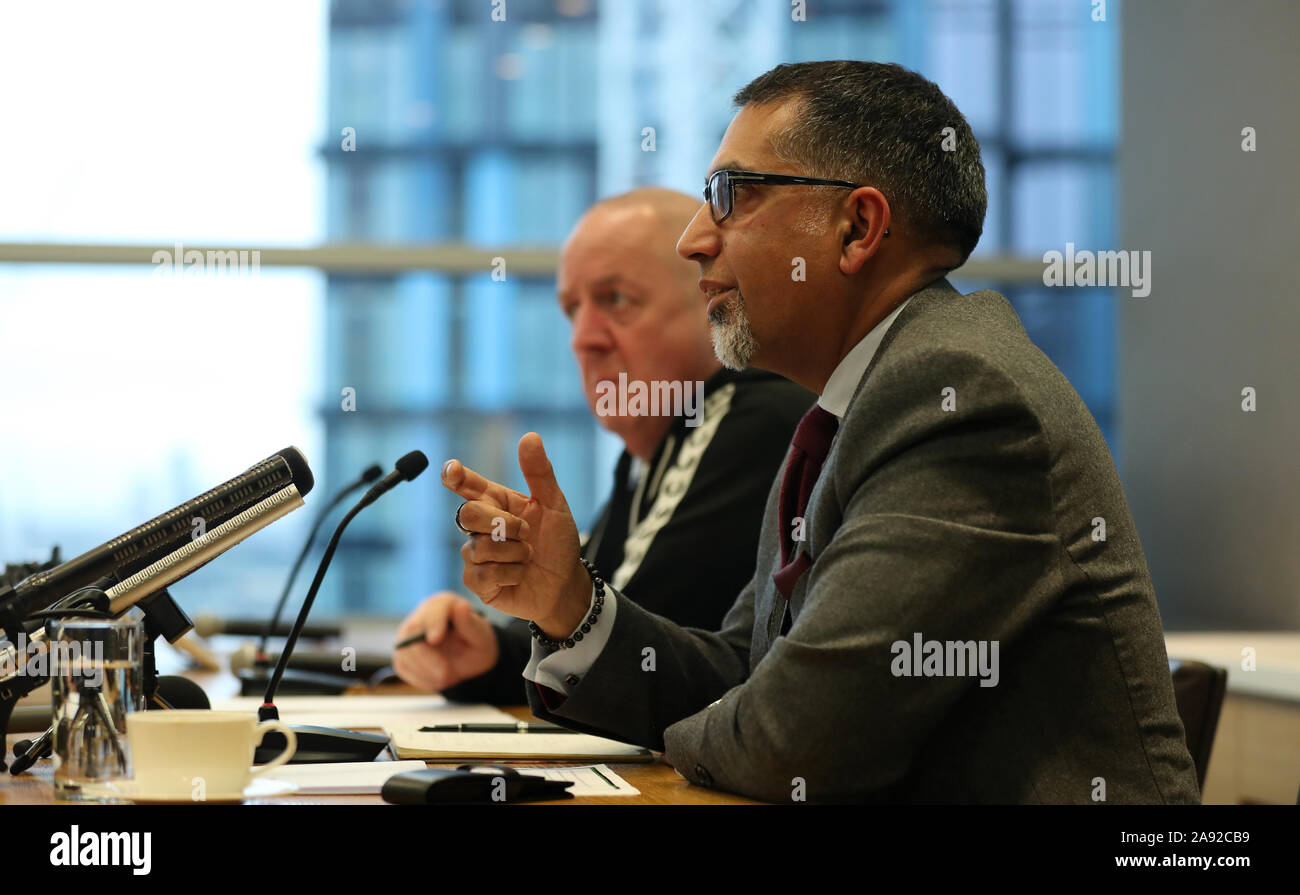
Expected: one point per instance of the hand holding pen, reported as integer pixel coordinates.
(443, 642)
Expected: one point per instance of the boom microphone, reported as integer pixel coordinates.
(200, 551)
(170, 569)
(252, 493)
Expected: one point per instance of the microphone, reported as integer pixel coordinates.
(148, 544)
(162, 551)
(199, 552)
(323, 744)
(405, 469)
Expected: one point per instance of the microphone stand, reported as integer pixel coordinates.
(328, 744)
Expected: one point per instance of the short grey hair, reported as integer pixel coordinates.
(883, 125)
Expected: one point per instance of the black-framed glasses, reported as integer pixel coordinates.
(720, 189)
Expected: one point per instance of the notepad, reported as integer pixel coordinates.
(410, 742)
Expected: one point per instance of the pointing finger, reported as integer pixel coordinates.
(459, 478)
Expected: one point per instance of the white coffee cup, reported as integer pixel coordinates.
(199, 753)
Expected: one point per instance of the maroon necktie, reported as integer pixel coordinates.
(812, 442)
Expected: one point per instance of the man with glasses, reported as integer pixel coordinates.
(935, 614)
(689, 489)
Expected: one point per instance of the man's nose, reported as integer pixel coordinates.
(590, 329)
(701, 238)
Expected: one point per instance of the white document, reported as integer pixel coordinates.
(345, 778)
(370, 712)
(410, 742)
(592, 780)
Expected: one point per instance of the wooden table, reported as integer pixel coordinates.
(659, 783)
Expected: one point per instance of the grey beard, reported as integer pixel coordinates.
(733, 339)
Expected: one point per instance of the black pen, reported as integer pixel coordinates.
(516, 727)
(410, 641)
(416, 638)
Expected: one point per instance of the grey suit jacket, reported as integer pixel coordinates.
(972, 517)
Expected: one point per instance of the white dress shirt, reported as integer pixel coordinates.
(564, 669)
(847, 374)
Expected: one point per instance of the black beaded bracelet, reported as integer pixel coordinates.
(583, 629)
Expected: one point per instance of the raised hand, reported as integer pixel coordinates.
(522, 552)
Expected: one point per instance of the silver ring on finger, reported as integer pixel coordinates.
(458, 525)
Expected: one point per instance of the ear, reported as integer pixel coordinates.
(863, 223)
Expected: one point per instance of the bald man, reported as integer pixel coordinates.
(680, 528)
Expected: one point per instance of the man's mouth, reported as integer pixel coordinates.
(717, 298)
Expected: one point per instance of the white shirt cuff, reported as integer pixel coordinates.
(564, 669)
